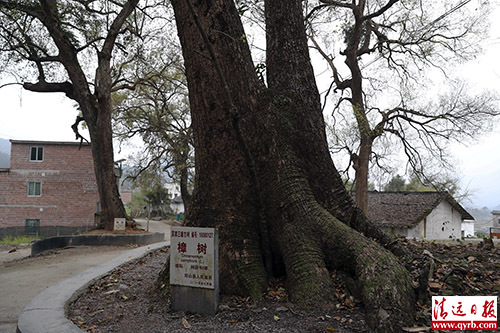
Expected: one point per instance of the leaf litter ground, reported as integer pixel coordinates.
(129, 300)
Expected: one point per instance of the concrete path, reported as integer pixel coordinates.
(22, 280)
(23, 277)
(158, 226)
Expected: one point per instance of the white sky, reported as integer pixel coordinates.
(37, 116)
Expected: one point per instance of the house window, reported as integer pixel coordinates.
(34, 189)
(36, 154)
(32, 227)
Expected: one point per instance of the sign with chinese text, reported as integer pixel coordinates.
(464, 313)
(119, 223)
(192, 257)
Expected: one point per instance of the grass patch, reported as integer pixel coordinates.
(17, 239)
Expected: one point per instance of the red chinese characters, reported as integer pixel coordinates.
(181, 247)
(202, 248)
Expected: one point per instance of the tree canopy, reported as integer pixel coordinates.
(389, 90)
(87, 50)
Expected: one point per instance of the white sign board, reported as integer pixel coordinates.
(192, 257)
(119, 223)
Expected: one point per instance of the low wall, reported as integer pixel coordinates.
(45, 231)
(95, 240)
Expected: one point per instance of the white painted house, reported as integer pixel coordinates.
(174, 192)
(420, 215)
(173, 189)
(467, 229)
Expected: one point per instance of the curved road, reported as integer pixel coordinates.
(23, 277)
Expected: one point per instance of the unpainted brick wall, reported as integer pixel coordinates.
(69, 192)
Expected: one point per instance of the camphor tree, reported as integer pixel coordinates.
(264, 175)
(393, 52)
(79, 48)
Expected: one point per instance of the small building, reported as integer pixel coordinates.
(495, 225)
(126, 195)
(173, 189)
(467, 229)
(421, 215)
(49, 189)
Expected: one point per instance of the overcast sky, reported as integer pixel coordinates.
(37, 116)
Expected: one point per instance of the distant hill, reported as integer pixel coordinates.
(480, 213)
(482, 219)
(4, 153)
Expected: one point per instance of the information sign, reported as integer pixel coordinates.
(192, 257)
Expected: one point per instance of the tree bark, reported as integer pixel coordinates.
(362, 168)
(263, 170)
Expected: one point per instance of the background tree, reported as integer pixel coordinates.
(396, 184)
(149, 192)
(415, 184)
(264, 172)
(79, 48)
(157, 111)
(390, 50)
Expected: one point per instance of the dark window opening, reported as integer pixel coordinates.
(36, 154)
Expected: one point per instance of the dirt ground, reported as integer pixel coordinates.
(128, 300)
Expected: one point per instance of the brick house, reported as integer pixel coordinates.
(49, 189)
(420, 215)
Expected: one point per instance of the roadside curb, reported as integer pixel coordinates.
(46, 313)
(95, 240)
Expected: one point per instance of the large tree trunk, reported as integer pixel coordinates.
(263, 171)
(362, 160)
(95, 107)
(110, 203)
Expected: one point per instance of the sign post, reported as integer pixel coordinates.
(194, 270)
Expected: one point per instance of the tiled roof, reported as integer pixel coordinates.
(405, 209)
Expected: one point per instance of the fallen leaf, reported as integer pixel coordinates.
(233, 321)
(185, 323)
(330, 329)
(435, 285)
(282, 308)
(276, 318)
(349, 303)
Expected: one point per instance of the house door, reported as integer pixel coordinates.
(32, 227)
